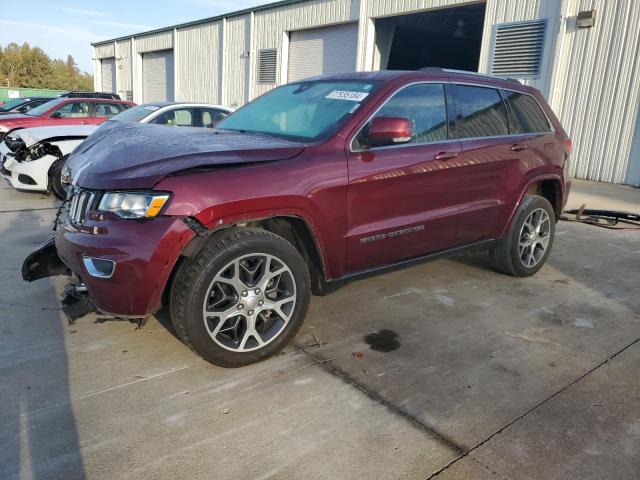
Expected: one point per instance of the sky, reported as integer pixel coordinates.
(62, 27)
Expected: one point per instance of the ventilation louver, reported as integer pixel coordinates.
(267, 66)
(517, 49)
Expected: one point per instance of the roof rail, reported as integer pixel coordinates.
(466, 72)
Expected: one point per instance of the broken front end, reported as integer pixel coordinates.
(120, 267)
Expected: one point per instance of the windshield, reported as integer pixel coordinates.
(12, 103)
(303, 111)
(135, 114)
(42, 109)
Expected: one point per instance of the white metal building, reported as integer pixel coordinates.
(584, 55)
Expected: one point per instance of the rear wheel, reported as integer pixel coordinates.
(242, 298)
(527, 245)
(55, 178)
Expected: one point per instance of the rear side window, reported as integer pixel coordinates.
(72, 110)
(211, 116)
(424, 105)
(526, 114)
(181, 117)
(107, 109)
(33, 104)
(480, 112)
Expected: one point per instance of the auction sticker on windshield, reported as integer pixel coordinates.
(347, 95)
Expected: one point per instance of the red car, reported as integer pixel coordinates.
(311, 184)
(64, 111)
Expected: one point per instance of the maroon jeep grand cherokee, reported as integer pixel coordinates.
(312, 183)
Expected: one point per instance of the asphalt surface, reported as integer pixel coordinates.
(443, 370)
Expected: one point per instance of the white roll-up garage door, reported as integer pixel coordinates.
(323, 50)
(108, 74)
(157, 76)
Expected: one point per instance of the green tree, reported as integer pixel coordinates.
(30, 67)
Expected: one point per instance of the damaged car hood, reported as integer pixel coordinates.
(123, 155)
(31, 136)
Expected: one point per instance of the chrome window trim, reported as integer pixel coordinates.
(449, 140)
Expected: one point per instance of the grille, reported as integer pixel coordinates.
(267, 66)
(518, 48)
(81, 202)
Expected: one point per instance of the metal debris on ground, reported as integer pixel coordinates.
(611, 219)
(318, 362)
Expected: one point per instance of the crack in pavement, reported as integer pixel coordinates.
(442, 438)
(332, 369)
(552, 396)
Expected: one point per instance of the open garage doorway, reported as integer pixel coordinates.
(447, 38)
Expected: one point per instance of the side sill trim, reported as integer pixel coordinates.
(481, 245)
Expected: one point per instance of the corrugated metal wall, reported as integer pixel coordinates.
(597, 86)
(104, 51)
(269, 26)
(507, 11)
(236, 66)
(589, 75)
(123, 67)
(157, 41)
(198, 61)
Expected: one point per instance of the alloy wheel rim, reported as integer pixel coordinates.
(249, 302)
(534, 238)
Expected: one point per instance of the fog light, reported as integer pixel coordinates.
(99, 267)
(26, 179)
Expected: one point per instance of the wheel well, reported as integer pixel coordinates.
(299, 234)
(549, 189)
(293, 229)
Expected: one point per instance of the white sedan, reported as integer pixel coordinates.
(32, 158)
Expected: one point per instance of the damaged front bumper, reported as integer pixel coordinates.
(124, 264)
(44, 262)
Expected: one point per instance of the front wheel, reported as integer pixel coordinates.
(55, 178)
(242, 298)
(527, 245)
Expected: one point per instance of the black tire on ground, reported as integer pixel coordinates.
(192, 284)
(55, 178)
(505, 255)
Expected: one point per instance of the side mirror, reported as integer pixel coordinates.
(386, 131)
(23, 109)
(56, 115)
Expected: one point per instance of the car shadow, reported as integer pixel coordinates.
(38, 431)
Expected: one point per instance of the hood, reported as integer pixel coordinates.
(122, 155)
(19, 119)
(6, 116)
(31, 136)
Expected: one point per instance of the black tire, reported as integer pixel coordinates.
(195, 276)
(505, 255)
(55, 178)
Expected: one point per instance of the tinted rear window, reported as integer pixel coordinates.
(527, 116)
(480, 112)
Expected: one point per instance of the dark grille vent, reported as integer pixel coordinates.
(518, 48)
(80, 204)
(267, 66)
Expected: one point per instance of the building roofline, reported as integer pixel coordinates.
(237, 13)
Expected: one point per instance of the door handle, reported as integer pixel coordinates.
(84, 122)
(446, 156)
(518, 147)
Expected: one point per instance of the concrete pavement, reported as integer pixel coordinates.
(444, 370)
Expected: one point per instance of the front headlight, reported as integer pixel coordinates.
(133, 204)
